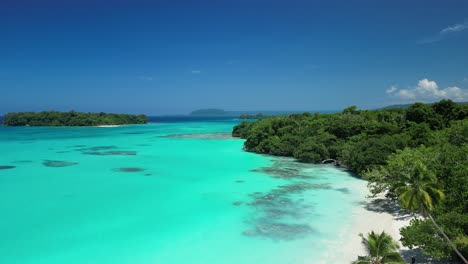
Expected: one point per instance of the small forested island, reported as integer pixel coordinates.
(416, 155)
(71, 118)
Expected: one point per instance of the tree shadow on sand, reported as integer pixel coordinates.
(421, 258)
(382, 205)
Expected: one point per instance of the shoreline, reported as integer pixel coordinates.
(108, 125)
(369, 214)
(375, 214)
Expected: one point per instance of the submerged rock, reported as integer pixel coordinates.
(58, 163)
(302, 186)
(282, 212)
(282, 231)
(279, 231)
(343, 190)
(62, 151)
(237, 203)
(102, 147)
(106, 151)
(95, 148)
(6, 167)
(282, 173)
(111, 153)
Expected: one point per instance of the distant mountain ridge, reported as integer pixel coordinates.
(404, 106)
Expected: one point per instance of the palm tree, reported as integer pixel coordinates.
(381, 249)
(421, 194)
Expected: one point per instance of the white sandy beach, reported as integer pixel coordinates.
(375, 215)
(108, 125)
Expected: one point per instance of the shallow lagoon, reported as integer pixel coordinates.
(178, 192)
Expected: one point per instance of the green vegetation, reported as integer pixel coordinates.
(249, 116)
(381, 249)
(417, 155)
(72, 118)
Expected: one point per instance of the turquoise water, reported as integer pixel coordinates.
(163, 193)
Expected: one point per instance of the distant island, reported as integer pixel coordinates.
(71, 118)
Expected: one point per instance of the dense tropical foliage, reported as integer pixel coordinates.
(381, 249)
(72, 118)
(418, 155)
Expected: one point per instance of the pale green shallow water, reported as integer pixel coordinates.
(179, 209)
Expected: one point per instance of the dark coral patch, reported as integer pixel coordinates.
(129, 169)
(97, 148)
(279, 231)
(343, 190)
(58, 163)
(148, 174)
(111, 153)
(6, 167)
(282, 173)
(106, 151)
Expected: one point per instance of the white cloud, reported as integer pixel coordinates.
(454, 28)
(196, 71)
(446, 32)
(427, 90)
(391, 90)
(406, 94)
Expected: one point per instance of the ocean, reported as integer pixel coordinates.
(179, 190)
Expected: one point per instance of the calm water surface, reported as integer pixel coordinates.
(172, 192)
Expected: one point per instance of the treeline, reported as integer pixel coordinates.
(249, 116)
(71, 118)
(388, 147)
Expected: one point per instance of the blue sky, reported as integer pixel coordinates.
(171, 57)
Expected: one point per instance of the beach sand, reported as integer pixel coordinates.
(373, 214)
(108, 125)
(377, 214)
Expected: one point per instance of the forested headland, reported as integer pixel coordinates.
(71, 118)
(422, 146)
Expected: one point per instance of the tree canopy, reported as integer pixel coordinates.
(423, 146)
(71, 118)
